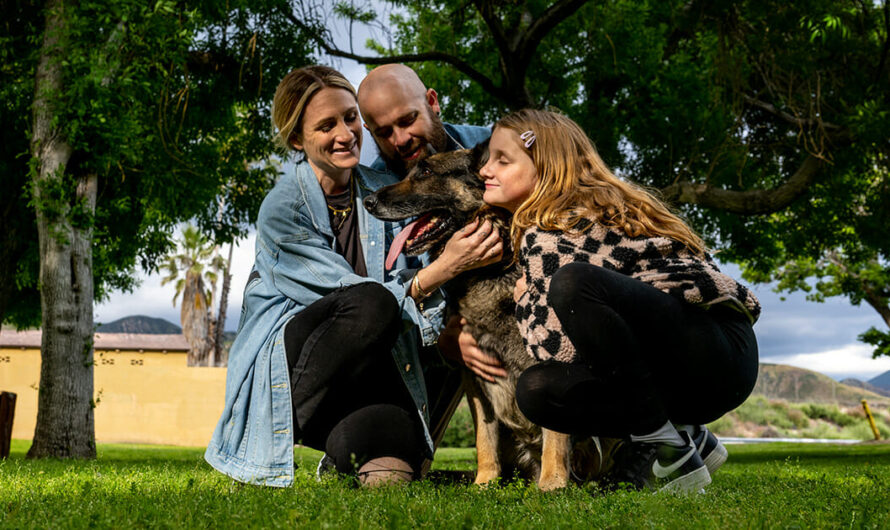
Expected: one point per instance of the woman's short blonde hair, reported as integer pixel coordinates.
(574, 183)
(293, 94)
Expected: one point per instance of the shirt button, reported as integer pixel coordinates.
(373, 243)
(408, 367)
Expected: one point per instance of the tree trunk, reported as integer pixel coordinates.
(195, 319)
(65, 422)
(223, 305)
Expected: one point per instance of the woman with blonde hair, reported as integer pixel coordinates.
(327, 350)
(639, 335)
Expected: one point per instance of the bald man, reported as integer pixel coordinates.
(403, 117)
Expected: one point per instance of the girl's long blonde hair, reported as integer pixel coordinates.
(574, 184)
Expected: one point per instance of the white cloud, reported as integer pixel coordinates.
(852, 360)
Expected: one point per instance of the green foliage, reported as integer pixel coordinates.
(198, 259)
(761, 411)
(769, 485)
(828, 413)
(734, 96)
(460, 431)
(167, 103)
(877, 338)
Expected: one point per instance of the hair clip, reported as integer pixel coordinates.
(529, 137)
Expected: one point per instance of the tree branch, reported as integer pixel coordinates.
(548, 20)
(794, 120)
(876, 300)
(486, 11)
(461, 65)
(753, 202)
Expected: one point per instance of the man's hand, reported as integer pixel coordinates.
(459, 345)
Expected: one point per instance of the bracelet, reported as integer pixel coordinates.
(417, 288)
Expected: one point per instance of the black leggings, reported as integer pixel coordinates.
(348, 397)
(644, 357)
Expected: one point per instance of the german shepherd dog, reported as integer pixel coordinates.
(446, 191)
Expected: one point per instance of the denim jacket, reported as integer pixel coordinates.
(296, 264)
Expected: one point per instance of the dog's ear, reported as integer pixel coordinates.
(480, 155)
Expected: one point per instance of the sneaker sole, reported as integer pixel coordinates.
(691, 482)
(716, 458)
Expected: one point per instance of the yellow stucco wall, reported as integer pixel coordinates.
(143, 397)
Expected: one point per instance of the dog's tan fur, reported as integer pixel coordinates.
(506, 442)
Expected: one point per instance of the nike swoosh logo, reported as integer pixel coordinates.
(661, 471)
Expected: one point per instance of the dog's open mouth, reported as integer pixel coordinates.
(416, 236)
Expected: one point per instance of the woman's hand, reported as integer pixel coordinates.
(475, 245)
(459, 345)
(519, 289)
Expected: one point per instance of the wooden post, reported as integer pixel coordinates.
(7, 413)
(871, 420)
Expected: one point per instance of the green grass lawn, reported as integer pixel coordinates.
(774, 485)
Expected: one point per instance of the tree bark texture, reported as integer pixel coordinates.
(218, 358)
(65, 421)
(195, 317)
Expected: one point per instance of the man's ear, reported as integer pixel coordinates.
(480, 154)
(432, 99)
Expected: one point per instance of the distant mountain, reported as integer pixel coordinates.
(881, 381)
(140, 324)
(868, 386)
(797, 385)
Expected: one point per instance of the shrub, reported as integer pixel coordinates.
(798, 418)
(460, 431)
(862, 430)
(822, 429)
(828, 413)
(725, 426)
(760, 411)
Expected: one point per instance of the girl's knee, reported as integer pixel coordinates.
(535, 390)
(566, 283)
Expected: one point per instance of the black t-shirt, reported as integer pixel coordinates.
(346, 230)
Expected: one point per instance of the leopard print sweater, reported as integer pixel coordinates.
(661, 262)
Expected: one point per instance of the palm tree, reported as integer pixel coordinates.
(197, 265)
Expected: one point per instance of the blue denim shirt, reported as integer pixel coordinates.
(297, 265)
(459, 137)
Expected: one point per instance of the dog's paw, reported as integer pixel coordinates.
(553, 482)
(484, 478)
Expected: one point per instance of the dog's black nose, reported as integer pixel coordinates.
(370, 202)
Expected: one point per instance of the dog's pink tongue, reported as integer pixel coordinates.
(398, 243)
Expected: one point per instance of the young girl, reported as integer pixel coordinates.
(640, 335)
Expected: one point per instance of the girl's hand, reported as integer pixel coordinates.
(519, 289)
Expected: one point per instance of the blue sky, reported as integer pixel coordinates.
(811, 335)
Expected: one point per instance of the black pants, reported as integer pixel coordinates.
(348, 397)
(644, 357)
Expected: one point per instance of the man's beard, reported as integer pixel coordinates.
(438, 141)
